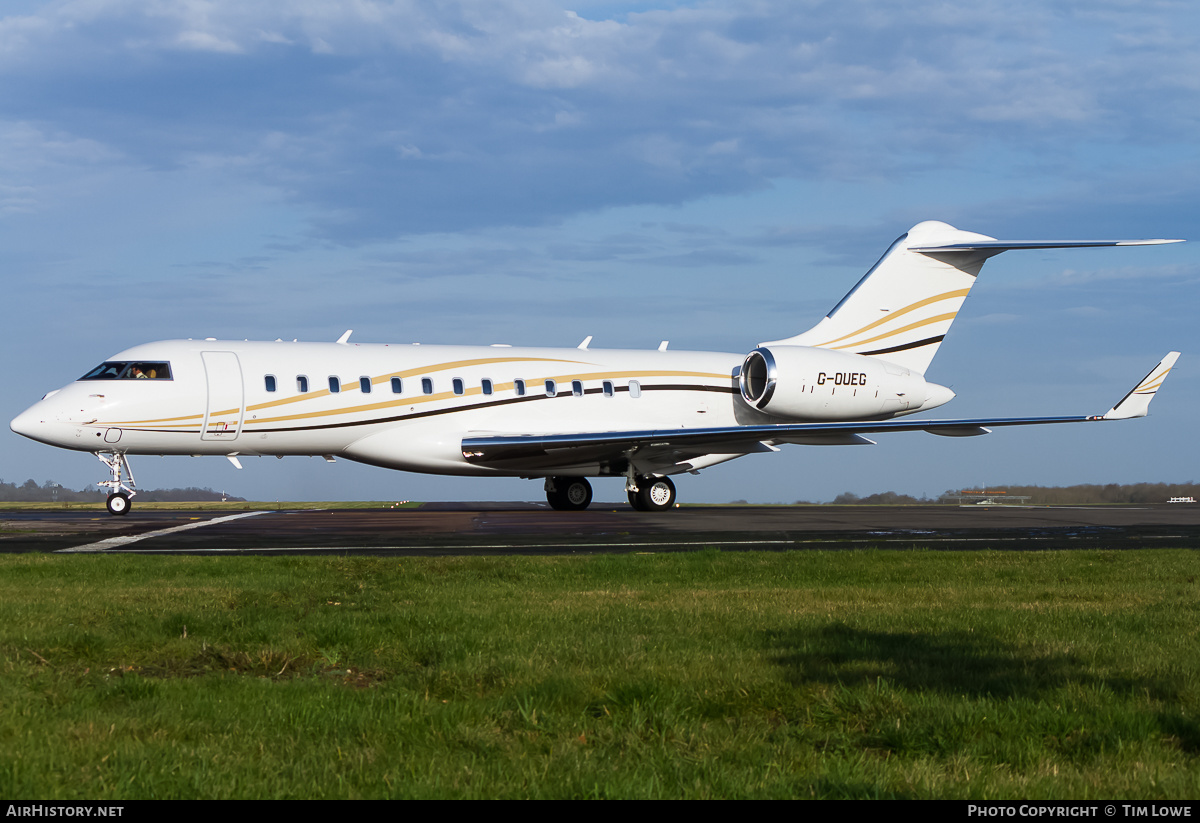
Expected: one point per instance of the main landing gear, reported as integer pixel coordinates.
(646, 494)
(569, 494)
(119, 494)
(652, 494)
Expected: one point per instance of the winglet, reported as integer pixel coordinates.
(1137, 402)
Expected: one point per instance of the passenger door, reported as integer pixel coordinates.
(223, 416)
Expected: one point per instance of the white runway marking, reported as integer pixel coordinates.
(116, 542)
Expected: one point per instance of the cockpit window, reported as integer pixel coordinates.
(126, 370)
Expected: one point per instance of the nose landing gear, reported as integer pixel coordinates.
(119, 494)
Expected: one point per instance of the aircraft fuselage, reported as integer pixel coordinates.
(408, 407)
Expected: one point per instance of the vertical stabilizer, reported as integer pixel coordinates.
(902, 308)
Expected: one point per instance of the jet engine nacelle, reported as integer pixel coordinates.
(803, 383)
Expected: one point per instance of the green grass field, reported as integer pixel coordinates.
(710, 674)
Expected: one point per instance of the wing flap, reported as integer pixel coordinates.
(546, 450)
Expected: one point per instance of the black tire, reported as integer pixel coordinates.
(118, 504)
(571, 494)
(655, 494)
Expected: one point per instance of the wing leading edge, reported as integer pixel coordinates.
(667, 447)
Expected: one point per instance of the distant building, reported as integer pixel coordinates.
(976, 497)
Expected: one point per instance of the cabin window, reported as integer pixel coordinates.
(269, 380)
(608, 388)
(551, 389)
(397, 385)
(301, 384)
(335, 385)
(635, 388)
(487, 386)
(577, 388)
(519, 387)
(457, 383)
(427, 385)
(364, 385)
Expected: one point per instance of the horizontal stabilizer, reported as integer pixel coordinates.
(1010, 245)
(1137, 402)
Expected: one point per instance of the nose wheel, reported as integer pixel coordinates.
(117, 503)
(119, 494)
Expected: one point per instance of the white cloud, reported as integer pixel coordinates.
(25, 148)
(205, 41)
(17, 199)
(532, 111)
(1076, 277)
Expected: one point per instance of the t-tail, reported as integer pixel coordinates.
(901, 310)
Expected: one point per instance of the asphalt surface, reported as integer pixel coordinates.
(526, 528)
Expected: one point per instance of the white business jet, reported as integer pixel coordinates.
(561, 414)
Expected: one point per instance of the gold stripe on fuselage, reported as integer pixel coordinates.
(474, 391)
(937, 298)
(894, 332)
(312, 395)
(250, 423)
(422, 370)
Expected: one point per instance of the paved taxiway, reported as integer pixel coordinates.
(525, 528)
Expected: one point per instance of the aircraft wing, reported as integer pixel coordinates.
(668, 447)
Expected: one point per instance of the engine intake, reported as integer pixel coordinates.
(758, 377)
(804, 383)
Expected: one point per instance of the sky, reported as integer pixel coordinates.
(532, 172)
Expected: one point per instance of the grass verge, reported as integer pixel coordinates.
(709, 674)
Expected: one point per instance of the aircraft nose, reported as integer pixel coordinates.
(26, 423)
(35, 423)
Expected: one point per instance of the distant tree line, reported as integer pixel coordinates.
(880, 499)
(1087, 494)
(1093, 493)
(50, 492)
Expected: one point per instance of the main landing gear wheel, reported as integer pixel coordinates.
(568, 493)
(118, 503)
(654, 494)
